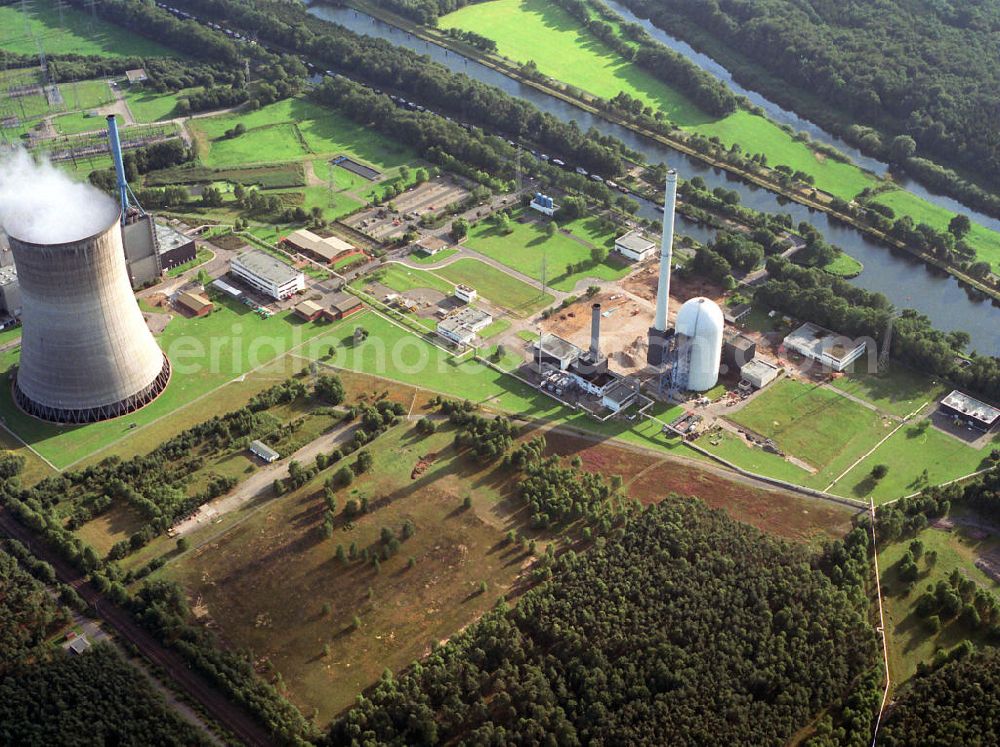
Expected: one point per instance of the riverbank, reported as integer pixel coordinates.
(813, 199)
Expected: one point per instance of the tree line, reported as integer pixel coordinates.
(922, 71)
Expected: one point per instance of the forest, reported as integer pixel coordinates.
(905, 68)
(687, 623)
(956, 704)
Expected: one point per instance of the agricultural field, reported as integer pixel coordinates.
(817, 426)
(532, 30)
(910, 639)
(496, 286)
(525, 247)
(205, 353)
(69, 31)
(274, 585)
(910, 451)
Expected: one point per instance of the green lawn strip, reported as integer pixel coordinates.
(402, 279)
(899, 391)
(151, 106)
(497, 286)
(86, 94)
(812, 423)
(441, 256)
(910, 640)
(907, 454)
(77, 122)
(983, 240)
(70, 32)
(205, 354)
(527, 335)
(498, 327)
(524, 248)
(203, 256)
(733, 449)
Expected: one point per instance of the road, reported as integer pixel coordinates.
(232, 717)
(261, 481)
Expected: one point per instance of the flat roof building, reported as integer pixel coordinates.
(759, 373)
(194, 303)
(174, 247)
(226, 288)
(267, 274)
(620, 394)
(463, 326)
(824, 346)
(320, 249)
(633, 245)
(978, 415)
(136, 75)
(465, 293)
(555, 351)
(430, 245)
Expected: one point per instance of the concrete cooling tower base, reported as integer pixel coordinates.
(86, 352)
(94, 414)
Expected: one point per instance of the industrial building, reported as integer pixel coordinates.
(308, 311)
(142, 259)
(195, 304)
(543, 204)
(267, 274)
(825, 347)
(320, 249)
(466, 293)
(698, 339)
(342, 305)
(173, 247)
(463, 326)
(552, 350)
(229, 290)
(737, 350)
(634, 246)
(86, 353)
(10, 292)
(430, 245)
(758, 373)
(970, 411)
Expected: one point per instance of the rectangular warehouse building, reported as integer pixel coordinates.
(825, 347)
(976, 414)
(267, 274)
(462, 327)
(320, 249)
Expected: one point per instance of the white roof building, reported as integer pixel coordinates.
(634, 246)
(837, 352)
(463, 326)
(264, 452)
(465, 293)
(267, 274)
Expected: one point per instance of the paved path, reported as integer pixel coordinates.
(260, 482)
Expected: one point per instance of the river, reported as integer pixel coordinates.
(906, 281)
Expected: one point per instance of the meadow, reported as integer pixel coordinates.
(69, 31)
(527, 246)
(497, 286)
(900, 391)
(532, 30)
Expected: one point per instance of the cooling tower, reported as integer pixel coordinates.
(86, 353)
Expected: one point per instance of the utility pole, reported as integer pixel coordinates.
(520, 184)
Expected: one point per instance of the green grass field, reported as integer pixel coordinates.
(984, 241)
(77, 122)
(205, 354)
(844, 266)
(293, 129)
(910, 642)
(402, 279)
(71, 32)
(910, 451)
(814, 424)
(535, 30)
(441, 256)
(150, 106)
(524, 248)
(497, 286)
(899, 391)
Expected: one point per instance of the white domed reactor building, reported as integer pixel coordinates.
(86, 352)
(698, 339)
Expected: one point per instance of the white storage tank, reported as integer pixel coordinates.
(699, 325)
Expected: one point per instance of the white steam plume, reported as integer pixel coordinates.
(40, 204)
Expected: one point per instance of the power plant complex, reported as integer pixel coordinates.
(689, 353)
(86, 352)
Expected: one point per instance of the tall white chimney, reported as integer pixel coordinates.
(666, 252)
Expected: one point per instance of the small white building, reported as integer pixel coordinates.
(267, 274)
(226, 288)
(466, 293)
(759, 373)
(463, 326)
(620, 395)
(634, 246)
(264, 452)
(834, 351)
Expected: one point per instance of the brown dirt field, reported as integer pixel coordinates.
(629, 322)
(784, 514)
(682, 287)
(229, 241)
